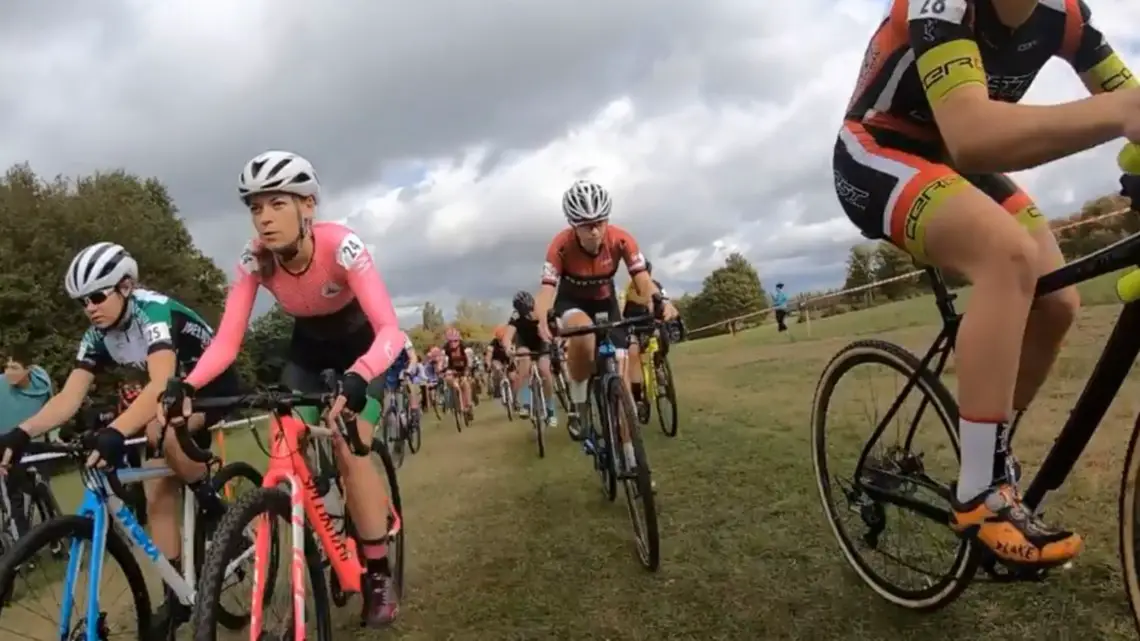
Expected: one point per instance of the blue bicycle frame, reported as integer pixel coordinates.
(103, 507)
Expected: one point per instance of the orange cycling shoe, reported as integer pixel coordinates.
(999, 521)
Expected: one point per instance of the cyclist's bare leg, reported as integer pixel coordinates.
(521, 378)
(633, 369)
(1049, 320)
(366, 492)
(465, 392)
(413, 396)
(546, 376)
(973, 235)
(163, 500)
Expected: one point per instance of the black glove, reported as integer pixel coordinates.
(354, 389)
(176, 392)
(111, 444)
(15, 440)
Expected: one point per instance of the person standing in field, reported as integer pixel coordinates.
(780, 304)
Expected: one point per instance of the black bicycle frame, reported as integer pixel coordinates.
(1104, 383)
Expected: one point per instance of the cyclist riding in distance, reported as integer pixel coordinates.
(522, 331)
(457, 370)
(433, 367)
(401, 372)
(637, 304)
(136, 328)
(322, 275)
(933, 121)
(496, 355)
(578, 282)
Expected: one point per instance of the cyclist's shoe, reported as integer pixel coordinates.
(551, 420)
(643, 411)
(470, 414)
(574, 423)
(523, 412)
(998, 520)
(380, 604)
(168, 617)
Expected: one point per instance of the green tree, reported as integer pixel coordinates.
(45, 223)
(267, 345)
(729, 291)
(890, 261)
(860, 271)
(432, 317)
(478, 313)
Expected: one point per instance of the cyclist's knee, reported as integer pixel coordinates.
(1058, 310)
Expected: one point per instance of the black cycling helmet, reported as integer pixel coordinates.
(779, 285)
(523, 302)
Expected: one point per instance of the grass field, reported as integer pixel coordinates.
(504, 545)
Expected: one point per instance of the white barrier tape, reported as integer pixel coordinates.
(885, 281)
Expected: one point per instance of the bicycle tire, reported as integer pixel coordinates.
(561, 391)
(670, 397)
(393, 438)
(1129, 512)
(68, 528)
(45, 504)
(398, 505)
(227, 539)
(538, 415)
(415, 435)
(647, 544)
(508, 398)
(965, 563)
(225, 474)
(604, 461)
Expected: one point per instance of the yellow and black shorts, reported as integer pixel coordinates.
(890, 184)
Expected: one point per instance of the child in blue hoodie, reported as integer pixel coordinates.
(24, 389)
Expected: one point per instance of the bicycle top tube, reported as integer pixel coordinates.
(1123, 253)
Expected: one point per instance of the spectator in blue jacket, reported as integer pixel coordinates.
(24, 389)
(780, 304)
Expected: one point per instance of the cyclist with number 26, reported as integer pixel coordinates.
(322, 275)
(932, 125)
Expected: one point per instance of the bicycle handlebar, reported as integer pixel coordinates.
(597, 328)
(277, 400)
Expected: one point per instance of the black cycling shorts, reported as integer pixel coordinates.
(619, 337)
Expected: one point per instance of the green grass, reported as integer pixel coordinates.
(503, 545)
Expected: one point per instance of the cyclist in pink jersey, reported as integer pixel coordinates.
(323, 276)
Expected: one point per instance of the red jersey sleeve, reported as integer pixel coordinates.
(628, 250)
(552, 268)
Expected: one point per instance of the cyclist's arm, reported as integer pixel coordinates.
(223, 349)
(365, 282)
(1095, 61)
(551, 274)
(63, 406)
(161, 365)
(984, 135)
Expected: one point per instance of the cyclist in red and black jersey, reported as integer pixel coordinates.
(458, 372)
(578, 281)
(932, 124)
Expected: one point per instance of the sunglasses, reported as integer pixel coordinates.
(96, 298)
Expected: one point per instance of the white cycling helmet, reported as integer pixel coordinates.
(586, 202)
(279, 171)
(98, 267)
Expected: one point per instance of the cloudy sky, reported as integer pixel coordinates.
(445, 131)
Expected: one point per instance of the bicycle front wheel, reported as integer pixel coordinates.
(666, 396)
(538, 415)
(230, 540)
(1130, 524)
(31, 586)
(867, 499)
(394, 436)
(635, 475)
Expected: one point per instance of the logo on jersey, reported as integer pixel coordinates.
(549, 272)
(330, 290)
(248, 261)
(637, 262)
(351, 254)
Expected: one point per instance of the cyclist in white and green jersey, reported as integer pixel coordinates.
(138, 328)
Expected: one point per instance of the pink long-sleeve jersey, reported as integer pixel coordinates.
(341, 271)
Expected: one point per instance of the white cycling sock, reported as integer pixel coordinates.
(979, 442)
(577, 391)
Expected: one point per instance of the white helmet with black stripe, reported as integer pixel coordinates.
(99, 267)
(586, 202)
(278, 171)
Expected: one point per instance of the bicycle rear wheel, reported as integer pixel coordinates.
(890, 480)
(394, 435)
(666, 396)
(637, 482)
(415, 436)
(230, 540)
